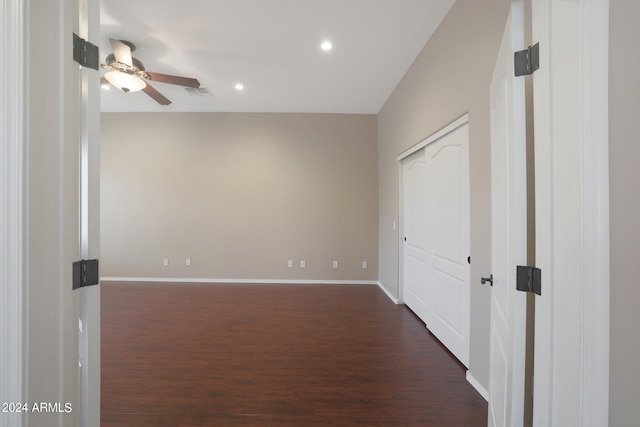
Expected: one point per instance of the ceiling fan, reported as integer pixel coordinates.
(128, 74)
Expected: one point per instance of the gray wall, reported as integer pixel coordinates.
(240, 195)
(624, 181)
(450, 77)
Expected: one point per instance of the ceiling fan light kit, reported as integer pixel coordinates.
(124, 81)
(129, 75)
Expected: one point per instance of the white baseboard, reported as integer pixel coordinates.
(386, 291)
(483, 392)
(237, 281)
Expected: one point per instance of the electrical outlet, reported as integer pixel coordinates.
(188, 262)
(364, 264)
(335, 264)
(290, 263)
(165, 262)
(303, 264)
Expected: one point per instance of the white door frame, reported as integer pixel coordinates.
(12, 148)
(595, 133)
(571, 381)
(89, 339)
(14, 213)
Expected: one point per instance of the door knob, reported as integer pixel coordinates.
(489, 279)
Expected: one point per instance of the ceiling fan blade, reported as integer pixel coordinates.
(157, 96)
(122, 52)
(174, 80)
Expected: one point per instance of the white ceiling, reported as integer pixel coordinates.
(273, 48)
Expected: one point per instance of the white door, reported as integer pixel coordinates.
(415, 233)
(436, 219)
(509, 228)
(448, 222)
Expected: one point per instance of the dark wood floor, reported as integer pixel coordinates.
(260, 355)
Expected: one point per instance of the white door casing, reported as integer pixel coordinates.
(41, 122)
(509, 228)
(89, 339)
(12, 150)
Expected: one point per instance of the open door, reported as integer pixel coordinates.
(509, 235)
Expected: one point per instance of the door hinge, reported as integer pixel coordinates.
(528, 279)
(527, 61)
(85, 273)
(85, 53)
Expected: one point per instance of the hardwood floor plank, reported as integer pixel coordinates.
(274, 355)
(141, 420)
(227, 421)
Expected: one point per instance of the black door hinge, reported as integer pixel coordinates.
(527, 61)
(85, 273)
(85, 53)
(528, 279)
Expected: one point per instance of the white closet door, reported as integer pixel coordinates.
(435, 189)
(448, 219)
(415, 233)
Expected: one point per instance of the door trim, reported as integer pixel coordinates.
(595, 229)
(12, 119)
(462, 120)
(89, 298)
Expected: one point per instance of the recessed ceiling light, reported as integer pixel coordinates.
(239, 86)
(326, 46)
